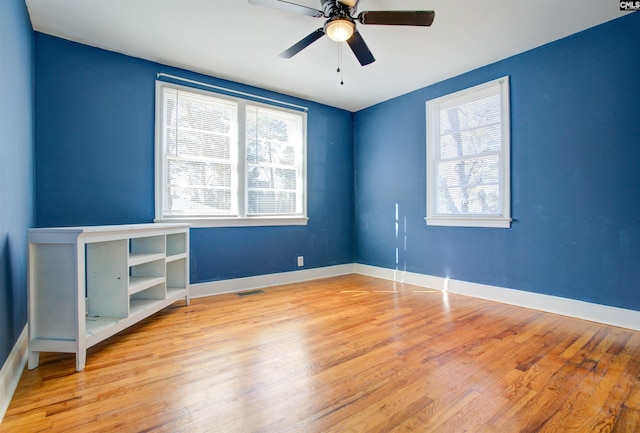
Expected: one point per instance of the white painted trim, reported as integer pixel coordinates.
(433, 109)
(475, 221)
(11, 371)
(234, 92)
(605, 314)
(261, 281)
(238, 214)
(240, 222)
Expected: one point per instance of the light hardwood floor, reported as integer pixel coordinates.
(344, 354)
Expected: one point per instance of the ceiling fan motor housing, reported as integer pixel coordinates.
(334, 9)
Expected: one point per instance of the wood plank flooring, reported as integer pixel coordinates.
(344, 354)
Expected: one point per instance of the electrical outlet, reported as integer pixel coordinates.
(300, 261)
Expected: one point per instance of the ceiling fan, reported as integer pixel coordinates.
(341, 23)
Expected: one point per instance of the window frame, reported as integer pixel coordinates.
(501, 219)
(240, 218)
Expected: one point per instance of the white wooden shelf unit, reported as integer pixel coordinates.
(89, 283)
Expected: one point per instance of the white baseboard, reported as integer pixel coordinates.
(268, 280)
(605, 314)
(11, 372)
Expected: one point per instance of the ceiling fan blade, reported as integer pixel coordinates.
(302, 44)
(289, 7)
(397, 18)
(360, 49)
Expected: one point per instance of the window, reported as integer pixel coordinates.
(225, 161)
(468, 157)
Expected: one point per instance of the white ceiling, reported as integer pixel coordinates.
(236, 40)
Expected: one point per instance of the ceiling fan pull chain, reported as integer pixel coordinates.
(340, 62)
(338, 70)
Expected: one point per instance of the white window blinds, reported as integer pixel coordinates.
(273, 155)
(468, 157)
(199, 140)
(222, 160)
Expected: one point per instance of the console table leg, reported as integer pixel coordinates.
(81, 360)
(34, 359)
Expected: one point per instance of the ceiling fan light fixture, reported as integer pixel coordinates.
(339, 29)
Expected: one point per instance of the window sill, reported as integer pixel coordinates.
(452, 221)
(239, 222)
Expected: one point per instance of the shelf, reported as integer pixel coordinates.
(138, 284)
(174, 257)
(148, 245)
(136, 259)
(101, 280)
(95, 325)
(138, 305)
(175, 293)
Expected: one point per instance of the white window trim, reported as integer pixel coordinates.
(225, 221)
(239, 222)
(502, 220)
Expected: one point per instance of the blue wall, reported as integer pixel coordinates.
(575, 181)
(575, 136)
(16, 168)
(94, 163)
